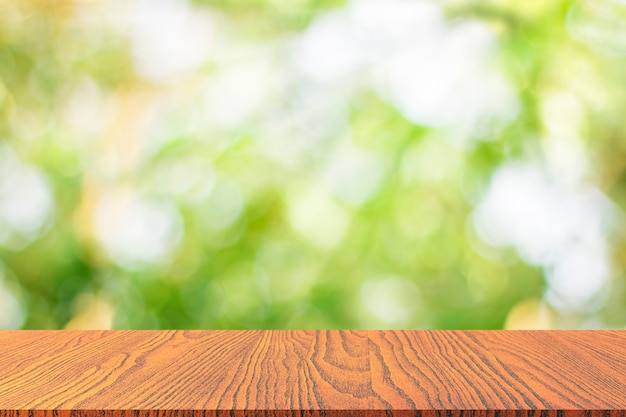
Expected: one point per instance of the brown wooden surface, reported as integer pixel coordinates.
(313, 373)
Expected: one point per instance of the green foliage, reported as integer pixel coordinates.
(242, 183)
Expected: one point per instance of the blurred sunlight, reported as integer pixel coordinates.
(312, 164)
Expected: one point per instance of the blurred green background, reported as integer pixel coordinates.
(312, 164)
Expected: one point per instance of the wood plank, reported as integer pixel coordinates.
(499, 370)
(312, 373)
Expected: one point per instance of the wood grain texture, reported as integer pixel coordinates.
(147, 373)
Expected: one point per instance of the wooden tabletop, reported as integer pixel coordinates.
(312, 373)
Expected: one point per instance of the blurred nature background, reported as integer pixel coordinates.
(270, 164)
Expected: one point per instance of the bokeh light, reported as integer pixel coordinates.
(312, 164)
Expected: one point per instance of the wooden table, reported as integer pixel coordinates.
(313, 373)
